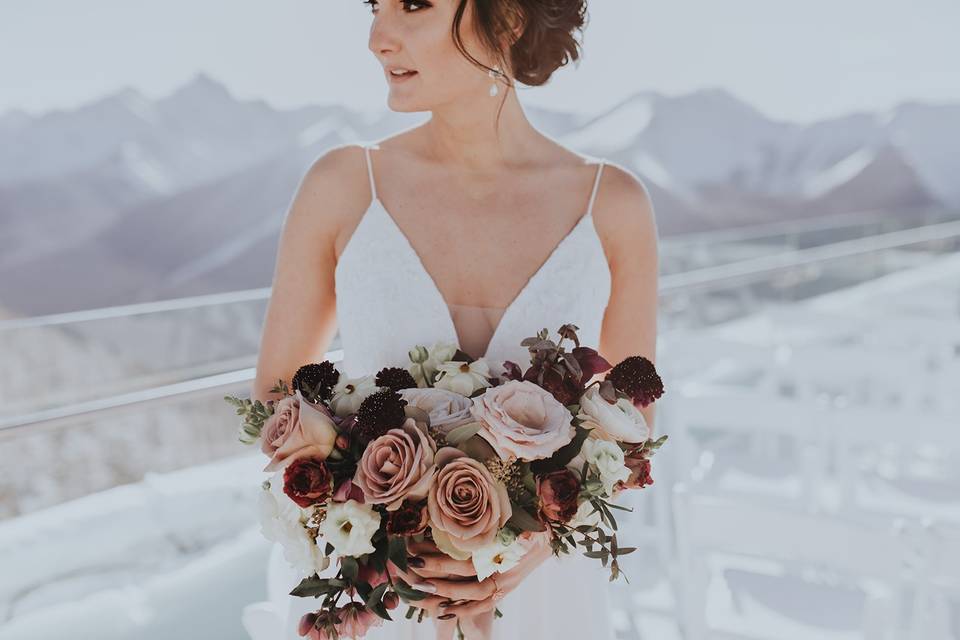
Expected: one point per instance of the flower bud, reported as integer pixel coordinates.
(418, 354)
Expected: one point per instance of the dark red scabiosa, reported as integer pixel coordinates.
(316, 380)
(307, 481)
(378, 413)
(409, 520)
(395, 378)
(638, 379)
(558, 492)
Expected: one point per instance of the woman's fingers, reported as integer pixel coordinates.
(439, 565)
(426, 546)
(470, 609)
(462, 589)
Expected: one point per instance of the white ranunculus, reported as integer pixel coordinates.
(621, 421)
(349, 393)
(500, 555)
(283, 521)
(349, 527)
(463, 377)
(607, 458)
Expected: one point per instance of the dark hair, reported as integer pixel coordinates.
(546, 42)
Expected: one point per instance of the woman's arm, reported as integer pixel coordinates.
(628, 231)
(300, 320)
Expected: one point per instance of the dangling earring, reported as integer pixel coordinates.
(495, 73)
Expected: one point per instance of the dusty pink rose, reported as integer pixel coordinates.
(397, 465)
(465, 502)
(297, 428)
(521, 420)
(447, 409)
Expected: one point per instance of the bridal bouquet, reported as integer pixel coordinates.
(443, 452)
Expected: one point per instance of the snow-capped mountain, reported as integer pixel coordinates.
(186, 194)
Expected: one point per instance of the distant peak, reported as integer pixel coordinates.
(202, 84)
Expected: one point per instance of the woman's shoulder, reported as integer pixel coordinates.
(332, 194)
(623, 210)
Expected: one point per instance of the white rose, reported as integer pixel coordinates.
(621, 421)
(463, 377)
(349, 527)
(501, 555)
(349, 393)
(607, 458)
(283, 521)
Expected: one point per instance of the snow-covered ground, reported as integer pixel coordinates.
(809, 490)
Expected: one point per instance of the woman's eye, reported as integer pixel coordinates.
(406, 4)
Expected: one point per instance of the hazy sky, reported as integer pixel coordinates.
(793, 60)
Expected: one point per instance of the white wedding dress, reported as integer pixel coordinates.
(386, 304)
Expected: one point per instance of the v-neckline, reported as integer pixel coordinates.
(438, 295)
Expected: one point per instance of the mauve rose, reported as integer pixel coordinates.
(397, 465)
(558, 491)
(465, 502)
(447, 409)
(296, 429)
(277, 427)
(521, 420)
(409, 520)
(639, 471)
(307, 481)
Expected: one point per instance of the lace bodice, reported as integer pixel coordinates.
(387, 302)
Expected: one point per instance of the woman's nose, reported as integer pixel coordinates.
(383, 37)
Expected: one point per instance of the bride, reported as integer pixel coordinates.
(473, 228)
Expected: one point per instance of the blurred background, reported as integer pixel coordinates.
(803, 162)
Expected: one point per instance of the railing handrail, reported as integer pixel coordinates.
(262, 293)
(719, 276)
(781, 227)
(137, 308)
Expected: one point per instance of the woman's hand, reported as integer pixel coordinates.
(456, 593)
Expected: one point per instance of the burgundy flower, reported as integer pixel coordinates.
(346, 490)
(558, 491)
(639, 470)
(637, 377)
(307, 481)
(409, 520)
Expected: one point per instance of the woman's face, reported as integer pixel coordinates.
(416, 35)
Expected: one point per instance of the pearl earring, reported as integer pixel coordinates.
(495, 73)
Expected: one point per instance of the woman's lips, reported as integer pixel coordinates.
(401, 78)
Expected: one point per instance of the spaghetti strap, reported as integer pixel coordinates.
(373, 186)
(596, 182)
